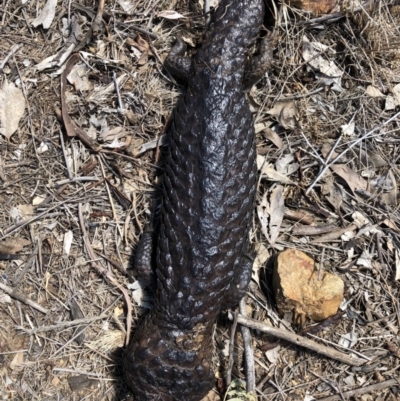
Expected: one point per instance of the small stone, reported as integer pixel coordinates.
(299, 291)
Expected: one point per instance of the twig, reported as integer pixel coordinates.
(316, 154)
(301, 341)
(120, 105)
(248, 352)
(103, 272)
(141, 30)
(14, 352)
(27, 22)
(13, 50)
(321, 265)
(109, 196)
(378, 238)
(77, 179)
(365, 136)
(207, 11)
(78, 372)
(65, 324)
(231, 349)
(23, 298)
(65, 156)
(363, 390)
(31, 324)
(98, 20)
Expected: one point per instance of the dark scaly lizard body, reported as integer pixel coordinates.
(208, 200)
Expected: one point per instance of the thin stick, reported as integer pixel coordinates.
(63, 325)
(248, 352)
(70, 176)
(77, 179)
(13, 50)
(207, 11)
(109, 197)
(231, 349)
(362, 390)
(21, 297)
(302, 342)
(98, 20)
(120, 105)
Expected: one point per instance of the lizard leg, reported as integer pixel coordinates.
(258, 65)
(144, 259)
(177, 63)
(240, 282)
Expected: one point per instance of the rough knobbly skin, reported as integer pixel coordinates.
(208, 199)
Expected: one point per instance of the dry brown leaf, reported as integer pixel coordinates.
(353, 180)
(390, 103)
(170, 14)
(70, 126)
(114, 133)
(386, 185)
(286, 164)
(312, 229)
(348, 129)
(270, 212)
(335, 234)
(37, 200)
(139, 150)
(396, 93)
(13, 245)
(397, 265)
(299, 215)
(78, 78)
(371, 159)
(68, 237)
(47, 15)
(272, 136)
(26, 211)
(17, 361)
(141, 45)
(126, 5)
(262, 256)
(286, 113)
(332, 192)
(268, 171)
(5, 299)
(373, 92)
(12, 108)
(325, 149)
(391, 225)
(312, 54)
(393, 100)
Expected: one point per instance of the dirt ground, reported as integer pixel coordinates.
(73, 207)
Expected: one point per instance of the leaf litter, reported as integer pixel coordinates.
(332, 92)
